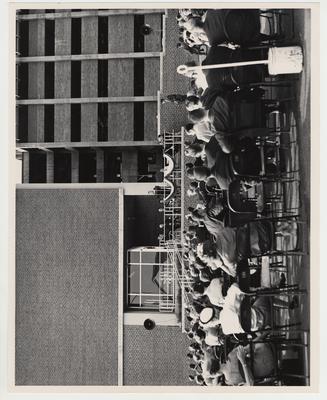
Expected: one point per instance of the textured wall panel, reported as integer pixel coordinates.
(156, 357)
(62, 123)
(120, 121)
(63, 31)
(62, 80)
(120, 78)
(89, 79)
(36, 80)
(36, 123)
(89, 112)
(89, 33)
(66, 287)
(121, 34)
(151, 76)
(152, 42)
(36, 38)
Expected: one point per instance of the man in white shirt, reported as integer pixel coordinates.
(229, 317)
(260, 311)
(214, 292)
(213, 337)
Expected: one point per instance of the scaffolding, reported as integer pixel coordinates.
(172, 208)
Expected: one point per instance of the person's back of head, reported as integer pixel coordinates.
(209, 248)
(192, 229)
(201, 173)
(193, 150)
(196, 215)
(193, 243)
(192, 98)
(198, 115)
(198, 289)
(199, 380)
(197, 306)
(200, 333)
(189, 127)
(194, 346)
(194, 24)
(195, 326)
(194, 185)
(190, 173)
(204, 275)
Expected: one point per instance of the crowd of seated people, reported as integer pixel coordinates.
(216, 252)
(189, 39)
(202, 29)
(226, 115)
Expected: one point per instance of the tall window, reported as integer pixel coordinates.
(150, 280)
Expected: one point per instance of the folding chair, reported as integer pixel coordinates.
(270, 326)
(274, 18)
(267, 146)
(291, 360)
(244, 204)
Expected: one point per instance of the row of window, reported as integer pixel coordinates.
(103, 39)
(102, 127)
(102, 72)
(147, 170)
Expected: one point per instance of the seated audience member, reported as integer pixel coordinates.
(245, 159)
(213, 337)
(221, 171)
(239, 26)
(232, 244)
(197, 76)
(175, 98)
(221, 254)
(228, 79)
(213, 291)
(210, 366)
(221, 120)
(202, 130)
(209, 317)
(205, 275)
(239, 370)
(192, 103)
(260, 311)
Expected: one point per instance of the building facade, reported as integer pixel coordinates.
(92, 218)
(87, 90)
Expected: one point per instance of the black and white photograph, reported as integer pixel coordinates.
(162, 224)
